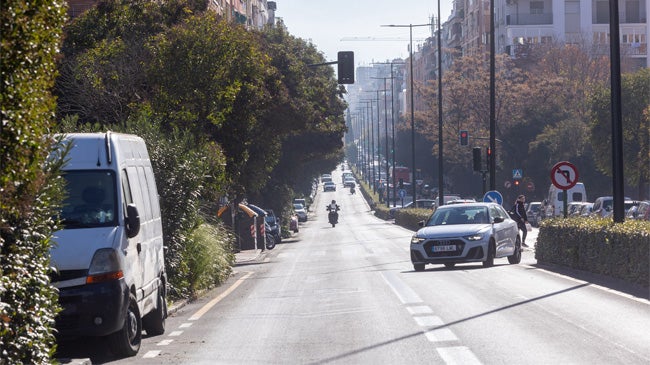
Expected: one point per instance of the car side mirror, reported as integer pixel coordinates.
(498, 219)
(421, 223)
(132, 221)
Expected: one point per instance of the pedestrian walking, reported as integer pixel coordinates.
(520, 214)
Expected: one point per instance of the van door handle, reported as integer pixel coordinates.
(138, 247)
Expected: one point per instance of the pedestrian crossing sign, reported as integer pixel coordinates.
(517, 174)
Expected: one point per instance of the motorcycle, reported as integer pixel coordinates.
(352, 190)
(333, 215)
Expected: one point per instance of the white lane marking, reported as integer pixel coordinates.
(460, 355)
(405, 294)
(164, 342)
(216, 300)
(175, 333)
(592, 285)
(185, 325)
(419, 309)
(428, 321)
(151, 354)
(441, 334)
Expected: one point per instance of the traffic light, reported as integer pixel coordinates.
(464, 138)
(489, 157)
(345, 65)
(476, 154)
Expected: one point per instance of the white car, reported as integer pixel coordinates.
(301, 212)
(472, 232)
(329, 186)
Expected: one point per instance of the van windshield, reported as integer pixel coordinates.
(90, 199)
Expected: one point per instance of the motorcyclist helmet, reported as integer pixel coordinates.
(333, 201)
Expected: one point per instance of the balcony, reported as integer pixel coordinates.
(529, 19)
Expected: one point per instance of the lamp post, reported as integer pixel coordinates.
(410, 26)
(386, 134)
(371, 144)
(441, 180)
(392, 118)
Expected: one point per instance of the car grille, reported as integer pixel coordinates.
(428, 248)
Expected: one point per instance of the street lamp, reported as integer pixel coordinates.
(386, 128)
(410, 26)
(392, 118)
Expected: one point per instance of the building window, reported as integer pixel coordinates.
(537, 7)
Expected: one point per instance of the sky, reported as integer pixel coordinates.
(356, 25)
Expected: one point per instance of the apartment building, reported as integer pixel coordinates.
(254, 14)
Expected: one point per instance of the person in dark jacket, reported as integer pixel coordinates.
(520, 212)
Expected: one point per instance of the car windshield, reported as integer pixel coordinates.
(298, 207)
(90, 199)
(459, 215)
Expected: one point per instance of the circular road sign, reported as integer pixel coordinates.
(493, 196)
(564, 175)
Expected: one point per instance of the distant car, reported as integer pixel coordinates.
(301, 201)
(301, 212)
(533, 213)
(586, 210)
(461, 201)
(474, 232)
(329, 186)
(349, 182)
(420, 203)
(604, 205)
(642, 211)
(325, 177)
(573, 208)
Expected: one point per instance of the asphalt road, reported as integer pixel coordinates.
(349, 295)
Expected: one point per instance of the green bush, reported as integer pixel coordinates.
(208, 256)
(411, 218)
(599, 246)
(30, 192)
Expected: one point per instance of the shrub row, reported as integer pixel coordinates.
(599, 246)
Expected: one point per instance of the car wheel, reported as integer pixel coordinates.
(489, 261)
(418, 267)
(154, 322)
(515, 258)
(450, 265)
(270, 242)
(126, 341)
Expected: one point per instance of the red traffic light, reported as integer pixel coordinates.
(464, 138)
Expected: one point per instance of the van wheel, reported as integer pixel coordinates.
(126, 341)
(515, 258)
(489, 261)
(154, 322)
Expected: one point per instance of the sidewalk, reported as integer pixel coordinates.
(248, 256)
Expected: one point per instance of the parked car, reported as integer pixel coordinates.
(586, 210)
(604, 205)
(301, 201)
(329, 186)
(420, 203)
(640, 212)
(573, 208)
(533, 213)
(475, 232)
(301, 212)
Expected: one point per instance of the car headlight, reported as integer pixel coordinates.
(417, 240)
(478, 235)
(474, 237)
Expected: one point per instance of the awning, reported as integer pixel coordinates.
(242, 207)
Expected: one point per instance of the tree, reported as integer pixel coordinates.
(29, 192)
(635, 95)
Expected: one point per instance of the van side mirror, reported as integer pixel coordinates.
(132, 221)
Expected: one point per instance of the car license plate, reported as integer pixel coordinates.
(444, 248)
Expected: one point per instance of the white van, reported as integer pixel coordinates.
(555, 202)
(108, 258)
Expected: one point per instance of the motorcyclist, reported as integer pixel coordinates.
(352, 190)
(333, 215)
